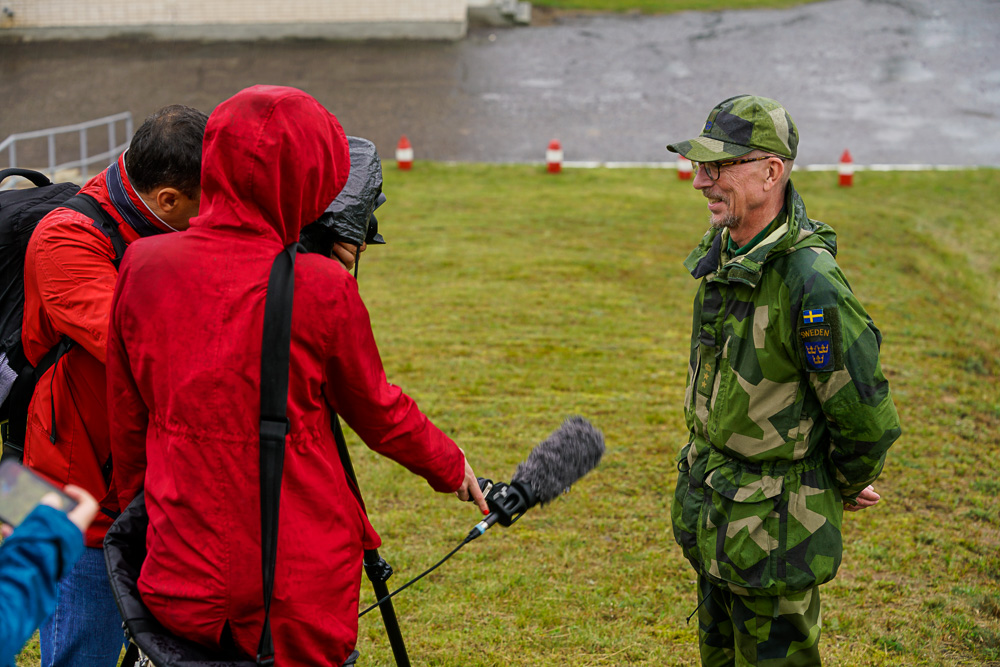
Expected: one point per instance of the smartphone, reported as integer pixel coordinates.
(21, 490)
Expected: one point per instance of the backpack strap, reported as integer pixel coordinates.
(88, 206)
(274, 426)
(20, 395)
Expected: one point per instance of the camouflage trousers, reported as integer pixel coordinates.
(758, 630)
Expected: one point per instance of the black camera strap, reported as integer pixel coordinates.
(274, 426)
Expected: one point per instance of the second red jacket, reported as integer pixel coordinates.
(69, 280)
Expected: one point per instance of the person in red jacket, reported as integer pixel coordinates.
(69, 280)
(184, 361)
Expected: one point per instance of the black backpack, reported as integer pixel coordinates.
(20, 212)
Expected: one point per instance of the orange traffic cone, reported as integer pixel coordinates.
(684, 168)
(846, 169)
(404, 153)
(554, 157)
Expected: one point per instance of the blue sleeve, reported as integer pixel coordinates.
(32, 560)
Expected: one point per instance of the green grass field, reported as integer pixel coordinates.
(508, 298)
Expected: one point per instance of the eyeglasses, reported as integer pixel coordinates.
(714, 169)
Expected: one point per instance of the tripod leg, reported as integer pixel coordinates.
(376, 568)
(379, 572)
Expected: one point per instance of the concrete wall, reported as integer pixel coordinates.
(234, 19)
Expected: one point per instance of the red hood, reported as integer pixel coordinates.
(273, 160)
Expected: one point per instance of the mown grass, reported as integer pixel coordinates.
(663, 6)
(508, 298)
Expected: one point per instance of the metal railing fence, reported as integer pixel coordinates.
(115, 147)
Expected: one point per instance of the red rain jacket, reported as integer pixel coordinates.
(184, 394)
(69, 280)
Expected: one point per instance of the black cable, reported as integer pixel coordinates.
(698, 607)
(423, 574)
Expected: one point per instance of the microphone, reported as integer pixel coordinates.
(573, 450)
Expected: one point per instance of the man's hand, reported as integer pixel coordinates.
(866, 498)
(470, 489)
(347, 253)
(86, 509)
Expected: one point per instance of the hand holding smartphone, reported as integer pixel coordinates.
(21, 490)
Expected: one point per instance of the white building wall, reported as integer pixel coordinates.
(199, 19)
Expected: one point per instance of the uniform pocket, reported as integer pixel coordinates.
(685, 508)
(771, 529)
(739, 528)
(811, 517)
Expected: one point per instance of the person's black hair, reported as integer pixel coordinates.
(166, 150)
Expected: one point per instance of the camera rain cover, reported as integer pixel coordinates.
(347, 217)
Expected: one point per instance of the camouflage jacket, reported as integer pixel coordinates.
(787, 408)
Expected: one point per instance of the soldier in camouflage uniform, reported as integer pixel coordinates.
(789, 414)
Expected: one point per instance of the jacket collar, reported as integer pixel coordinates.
(128, 203)
(797, 231)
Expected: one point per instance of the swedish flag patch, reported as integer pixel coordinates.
(812, 316)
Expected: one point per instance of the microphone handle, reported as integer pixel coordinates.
(483, 526)
(507, 503)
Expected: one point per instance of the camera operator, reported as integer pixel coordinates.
(184, 355)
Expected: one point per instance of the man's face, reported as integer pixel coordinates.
(736, 193)
(187, 208)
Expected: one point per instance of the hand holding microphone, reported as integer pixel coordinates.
(471, 489)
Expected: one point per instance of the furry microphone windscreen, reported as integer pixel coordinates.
(573, 450)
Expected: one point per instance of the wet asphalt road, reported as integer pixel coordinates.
(893, 81)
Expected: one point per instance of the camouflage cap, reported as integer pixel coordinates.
(739, 125)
